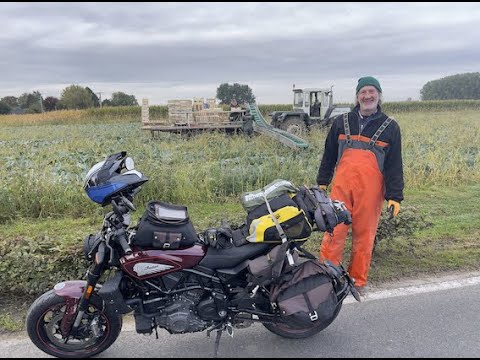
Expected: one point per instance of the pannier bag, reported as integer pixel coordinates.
(267, 269)
(165, 226)
(306, 295)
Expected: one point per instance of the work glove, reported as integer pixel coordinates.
(393, 207)
(323, 187)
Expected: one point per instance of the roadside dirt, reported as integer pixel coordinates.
(13, 311)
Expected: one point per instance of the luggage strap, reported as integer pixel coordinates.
(280, 230)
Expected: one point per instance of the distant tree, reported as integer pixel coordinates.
(242, 93)
(50, 103)
(121, 99)
(4, 108)
(11, 101)
(460, 86)
(76, 97)
(95, 99)
(106, 102)
(31, 103)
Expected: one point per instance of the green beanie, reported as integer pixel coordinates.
(368, 80)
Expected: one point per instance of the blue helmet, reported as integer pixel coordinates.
(114, 175)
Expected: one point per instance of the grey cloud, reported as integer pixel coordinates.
(192, 44)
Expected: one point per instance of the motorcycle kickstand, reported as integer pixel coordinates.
(217, 339)
(220, 330)
(217, 343)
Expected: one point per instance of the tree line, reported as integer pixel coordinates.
(455, 87)
(78, 97)
(72, 97)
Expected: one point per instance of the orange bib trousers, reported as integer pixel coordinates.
(360, 185)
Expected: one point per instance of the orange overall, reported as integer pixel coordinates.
(360, 185)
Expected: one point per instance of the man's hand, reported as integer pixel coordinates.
(393, 207)
(323, 187)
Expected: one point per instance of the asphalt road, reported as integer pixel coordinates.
(431, 318)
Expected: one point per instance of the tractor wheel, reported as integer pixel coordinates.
(294, 125)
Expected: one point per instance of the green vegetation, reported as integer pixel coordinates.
(45, 214)
(44, 165)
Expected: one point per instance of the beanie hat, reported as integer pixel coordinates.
(368, 80)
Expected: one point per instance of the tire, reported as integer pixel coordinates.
(286, 331)
(43, 319)
(294, 125)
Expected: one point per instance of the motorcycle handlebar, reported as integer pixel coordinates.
(122, 240)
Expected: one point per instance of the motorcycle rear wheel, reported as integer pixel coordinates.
(283, 330)
(43, 327)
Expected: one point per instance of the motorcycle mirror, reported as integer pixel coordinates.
(129, 164)
(117, 210)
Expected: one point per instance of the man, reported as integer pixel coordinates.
(316, 107)
(363, 147)
(233, 102)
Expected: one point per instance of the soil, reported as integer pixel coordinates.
(15, 309)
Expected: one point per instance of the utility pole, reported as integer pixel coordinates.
(41, 102)
(100, 98)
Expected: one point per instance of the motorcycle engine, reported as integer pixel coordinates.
(179, 316)
(182, 312)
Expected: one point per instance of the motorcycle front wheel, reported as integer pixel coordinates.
(283, 330)
(98, 330)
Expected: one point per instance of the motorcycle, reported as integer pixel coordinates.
(186, 288)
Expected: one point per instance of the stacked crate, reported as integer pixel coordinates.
(211, 116)
(197, 104)
(180, 112)
(212, 103)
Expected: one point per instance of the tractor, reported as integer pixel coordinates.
(311, 107)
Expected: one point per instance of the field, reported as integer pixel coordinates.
(44, 165)
(45, 214)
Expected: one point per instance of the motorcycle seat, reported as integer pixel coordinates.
(231, 257)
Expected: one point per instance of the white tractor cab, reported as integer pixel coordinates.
(311, 106)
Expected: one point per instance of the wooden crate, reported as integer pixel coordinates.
(212, 103)
(180, 119)
(179, 107)
(197, 104)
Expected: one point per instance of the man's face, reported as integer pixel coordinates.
(368, 97)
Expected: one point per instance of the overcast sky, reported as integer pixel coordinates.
(163, 51)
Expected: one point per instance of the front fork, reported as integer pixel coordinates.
(74, 314)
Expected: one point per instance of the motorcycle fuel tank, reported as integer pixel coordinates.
(145, 264)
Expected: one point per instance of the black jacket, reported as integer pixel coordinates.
(393, 167)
